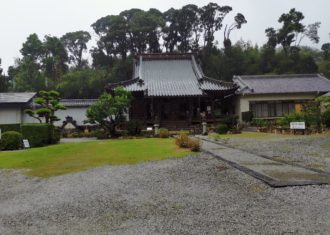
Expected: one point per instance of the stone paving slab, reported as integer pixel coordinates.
(274, 173)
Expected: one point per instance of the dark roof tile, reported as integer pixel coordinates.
(16, 97)
(273, 84)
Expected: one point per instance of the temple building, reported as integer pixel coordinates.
(171, 90)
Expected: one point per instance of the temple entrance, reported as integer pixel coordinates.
(174, 111)
(177, 113)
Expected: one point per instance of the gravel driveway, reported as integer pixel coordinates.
(192, 195)
(309, 151)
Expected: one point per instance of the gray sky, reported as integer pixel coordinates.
(19, 18)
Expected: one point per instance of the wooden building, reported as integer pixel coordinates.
(171, 90)
(273, 96)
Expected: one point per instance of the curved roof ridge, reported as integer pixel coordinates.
(279, 75)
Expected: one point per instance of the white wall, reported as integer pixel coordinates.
(10, 114)
(77, 113)
(243, 101)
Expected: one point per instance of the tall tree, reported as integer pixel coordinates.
(54, 59)
(75, 44)
(27, 75)
(33, 48)
(239, 20)
(144, 29)
(112, 31)
(212, 17)
(170, 31)
(3, 80)
(326, 51)
(188, 24)
(292, 32)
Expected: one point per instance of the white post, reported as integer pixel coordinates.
(204, 124)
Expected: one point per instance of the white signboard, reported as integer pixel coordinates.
(297, 126)
(26, 143)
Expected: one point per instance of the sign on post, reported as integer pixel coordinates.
(297, 126)
(26, 144)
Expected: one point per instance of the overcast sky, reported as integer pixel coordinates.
(20, 18)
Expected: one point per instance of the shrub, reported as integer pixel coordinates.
(182, 140)
(292, 117)
(11, 140)
(10, 127)
(134, 127)
(326, 118)
(55, 136)
(194, 144)
(38, 134)
(164, 133)
(247, 116)
(231, 121)
(259, 122)
(101, 134)
(221, 129)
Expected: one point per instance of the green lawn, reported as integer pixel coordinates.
(67, 158)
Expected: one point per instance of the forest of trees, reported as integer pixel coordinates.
(61, 63)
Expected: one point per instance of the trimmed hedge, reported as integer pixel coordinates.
(11, 140)
(221, 129)
(134, 127)
(326, 118)
(40, 134)
(10, 127)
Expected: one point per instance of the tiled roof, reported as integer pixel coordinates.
(77, 102)
(16, 97)
(171, 75)
(273, 84)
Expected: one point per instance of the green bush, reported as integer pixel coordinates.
(55, 136)
(10, 127)
(101, 134)
(312, 114)
(221, 128)
(326, 118)
(259, 122)
(38, 134)
(231, 121)
(11, 140)
(247, 116)
(292, 117)
(164, 133)
(134, 127)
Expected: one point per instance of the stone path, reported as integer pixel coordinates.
(274, 173)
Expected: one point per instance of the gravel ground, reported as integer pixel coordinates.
(192, 195)
(309, 151)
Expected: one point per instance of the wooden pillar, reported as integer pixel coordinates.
(152, 113)
(191, 110)
(159, 112)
